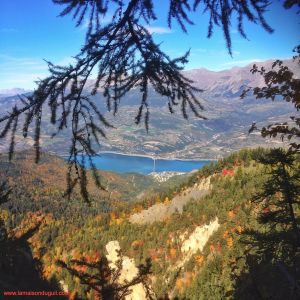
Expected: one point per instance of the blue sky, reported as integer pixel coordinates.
(30, 31)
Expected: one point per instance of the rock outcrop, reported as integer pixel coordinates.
(160, 211)
(199, 237)
(129, 271)
(196, 241)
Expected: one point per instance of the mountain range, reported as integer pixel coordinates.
(226, 130)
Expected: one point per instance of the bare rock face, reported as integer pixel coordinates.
(195, 241)
(64, 286)
(199, 237)
(160, 211)
(128, 273)
(204, 184)
(113, 248)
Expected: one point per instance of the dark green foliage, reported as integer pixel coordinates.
(280, 83)
(279, 199)
(277, 246)
(237, 270)
(42, 190)
(18, 269)
(207, 286)
(4, 193)
(282, 189)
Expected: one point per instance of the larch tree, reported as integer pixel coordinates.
(124, 56)
(280, 84)
(280, 194)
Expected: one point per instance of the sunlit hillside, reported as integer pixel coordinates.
(214, 238)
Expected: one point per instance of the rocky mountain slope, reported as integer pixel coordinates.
(213, 246)
(229, 118)
(161, 211)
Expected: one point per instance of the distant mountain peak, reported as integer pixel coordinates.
(13, 92)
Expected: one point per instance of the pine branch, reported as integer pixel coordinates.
(124, 56)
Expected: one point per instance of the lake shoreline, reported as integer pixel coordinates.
(143, 164)
(157, 157)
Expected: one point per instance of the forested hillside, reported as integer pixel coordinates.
(221, 245)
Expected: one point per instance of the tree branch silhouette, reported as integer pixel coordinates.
(124, 56)
(105, 280)
(280, 83)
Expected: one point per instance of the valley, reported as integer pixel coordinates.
(192, 229)
(170, 135)
(176, 216)
(150, 150)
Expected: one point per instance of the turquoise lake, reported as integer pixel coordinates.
(126, 164)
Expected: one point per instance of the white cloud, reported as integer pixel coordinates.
(242, 62)
(21, 72)
(20, 80)
(11, 62)
(158, 29)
